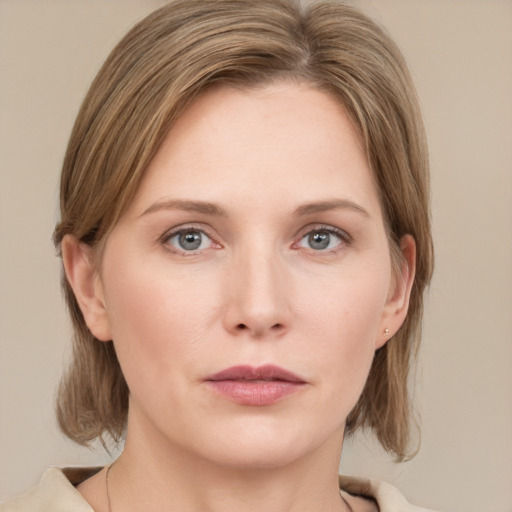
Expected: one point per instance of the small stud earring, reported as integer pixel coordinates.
(386, 331)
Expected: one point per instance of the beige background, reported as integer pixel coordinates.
(460, 52)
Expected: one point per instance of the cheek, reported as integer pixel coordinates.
(157, 321)
(349, 303)
(344, 320)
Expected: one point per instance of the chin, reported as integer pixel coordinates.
(255, 457)
(261, 447)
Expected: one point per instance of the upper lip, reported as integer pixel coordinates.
(246, 372)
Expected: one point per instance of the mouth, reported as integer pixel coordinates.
(256, 386)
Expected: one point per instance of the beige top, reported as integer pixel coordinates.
(56, 493)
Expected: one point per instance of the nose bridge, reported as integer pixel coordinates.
(258, 300)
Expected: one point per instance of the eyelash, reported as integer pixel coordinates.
(168, 235)
(344, 238)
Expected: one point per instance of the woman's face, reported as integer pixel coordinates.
(249, 283)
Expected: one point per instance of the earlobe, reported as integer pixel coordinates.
(397, 305)
(86, 284)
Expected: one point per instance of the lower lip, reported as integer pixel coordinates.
(255, 392)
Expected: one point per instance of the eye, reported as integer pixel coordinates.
(189, 240)
(322, 239)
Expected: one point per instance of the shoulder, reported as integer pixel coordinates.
(387, 497)
(54, 493)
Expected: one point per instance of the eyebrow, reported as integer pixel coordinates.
(333, 204)
(208, 208)
(186, 205)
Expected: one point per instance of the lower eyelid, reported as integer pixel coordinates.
(344, 239)
(165, 238)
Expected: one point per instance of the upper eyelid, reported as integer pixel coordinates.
(177, 230)
(345, 239)
(323, 227)
(185, 227)
(343, 234)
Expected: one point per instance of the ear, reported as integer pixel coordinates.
(397, 303)
(87, 286)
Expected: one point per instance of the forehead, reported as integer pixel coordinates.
(295, 138)
(285, 111)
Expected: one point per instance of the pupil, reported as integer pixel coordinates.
(319, 240)
(190, 240)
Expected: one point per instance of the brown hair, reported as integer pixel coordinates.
(148, 80)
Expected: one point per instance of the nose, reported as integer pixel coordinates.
(258, 296)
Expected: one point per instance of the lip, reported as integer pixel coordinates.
(257, 386)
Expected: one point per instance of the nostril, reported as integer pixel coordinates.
(260, 329)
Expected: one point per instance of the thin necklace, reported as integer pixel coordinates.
(347, 505)
(106, 485)
(345, 502)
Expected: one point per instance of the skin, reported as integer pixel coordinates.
(257, 291)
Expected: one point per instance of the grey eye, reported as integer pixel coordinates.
(189, 240)
(319, 240)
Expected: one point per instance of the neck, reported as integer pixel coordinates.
(156, 476)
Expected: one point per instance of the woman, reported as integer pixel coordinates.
(245, 238)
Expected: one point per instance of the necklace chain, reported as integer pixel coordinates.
(106, 485)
